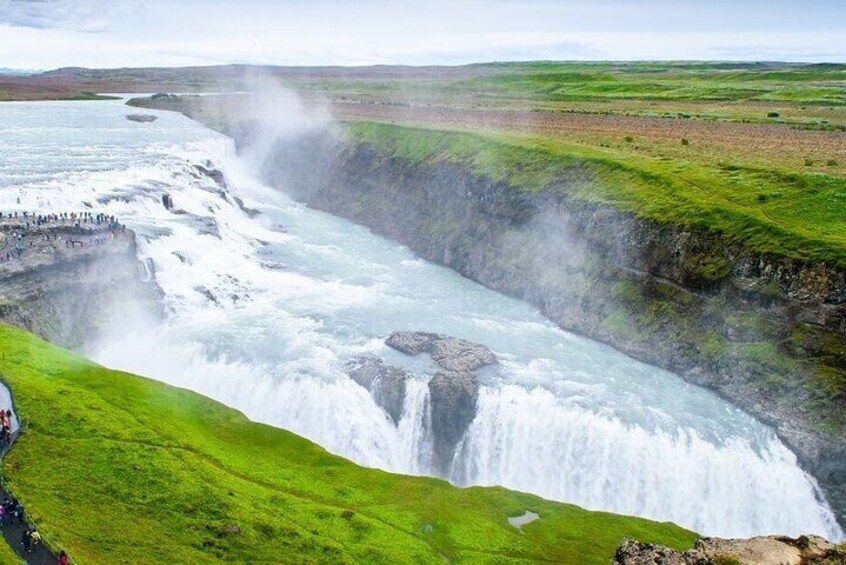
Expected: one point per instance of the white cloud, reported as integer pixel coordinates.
(86, 16)
(52, 33)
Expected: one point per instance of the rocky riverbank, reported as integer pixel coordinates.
(769, 550)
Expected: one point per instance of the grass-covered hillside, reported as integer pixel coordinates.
(794, 213)
(117, 468)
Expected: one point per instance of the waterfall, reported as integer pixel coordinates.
(530, 440)
(265, 312)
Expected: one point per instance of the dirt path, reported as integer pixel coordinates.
(12, 530)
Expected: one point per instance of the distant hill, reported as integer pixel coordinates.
(19, 72)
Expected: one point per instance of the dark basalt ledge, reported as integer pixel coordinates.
(450, 353)
(385, 383)
(766, 332)
(453, 390)
(72, 298)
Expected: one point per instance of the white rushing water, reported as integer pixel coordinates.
(264, 317)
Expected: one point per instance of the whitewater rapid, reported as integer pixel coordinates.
(263, 312)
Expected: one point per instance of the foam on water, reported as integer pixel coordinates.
(264, 312)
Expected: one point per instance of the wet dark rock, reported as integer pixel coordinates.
(412, 343)
(450, 353)
(460, 355)
(453, 392)
(215, 174)
(207, 293)
(250, 212)
(217, 191)
(141, 118)
(167, 201)
(385, 383)
(203, 224)
(453, 397)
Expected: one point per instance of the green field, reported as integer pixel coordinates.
(812, 84)
(797, 214)
(116, 468)
(813, 95)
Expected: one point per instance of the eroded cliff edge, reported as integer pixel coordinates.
(71, 296)
(767, 332)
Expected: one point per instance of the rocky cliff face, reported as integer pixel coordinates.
(453, 389)
(71, 298)
(766, 332)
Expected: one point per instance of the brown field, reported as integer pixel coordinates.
(709, 142)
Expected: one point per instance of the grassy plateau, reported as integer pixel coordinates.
(792, 213)
(116, 468)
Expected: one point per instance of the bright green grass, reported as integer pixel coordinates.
(121, 469)
(805, 83)
(795, 214)
(810, 95)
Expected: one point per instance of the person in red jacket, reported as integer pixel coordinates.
(63, 558)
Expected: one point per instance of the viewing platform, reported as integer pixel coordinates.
(30, 240)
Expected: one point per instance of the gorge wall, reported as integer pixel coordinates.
(72, 297)
(765, 332)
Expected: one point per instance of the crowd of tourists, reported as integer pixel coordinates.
(31, 228)
(76, 219)
(12, 511)
(5, 429)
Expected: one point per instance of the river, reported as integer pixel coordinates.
(263, 312)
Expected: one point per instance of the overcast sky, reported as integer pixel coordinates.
(45, 34)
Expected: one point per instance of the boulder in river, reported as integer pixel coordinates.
(453, 392)
(412, 343)
(453, 397)
(450, 353)
(167, 201)
(142, 118)
(385, 383)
